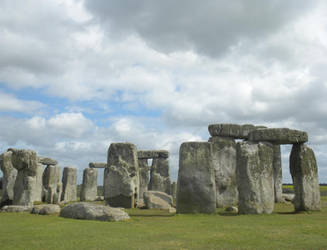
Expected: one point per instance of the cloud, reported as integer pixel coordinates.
(10, 103)
(211, 27)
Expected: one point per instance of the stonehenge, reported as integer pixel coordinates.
(238, 167)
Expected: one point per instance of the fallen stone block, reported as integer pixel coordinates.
(157, 200)
(16, 209)
(46, 209)
(89, 211)
(196, 187)
(288, 197)
(279, 136)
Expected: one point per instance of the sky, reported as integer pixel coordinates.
(77, 75)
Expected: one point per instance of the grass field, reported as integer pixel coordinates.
(155, 229)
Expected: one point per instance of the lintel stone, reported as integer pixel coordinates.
(152, 154)
(279, 136)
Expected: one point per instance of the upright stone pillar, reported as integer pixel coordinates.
(224, 164)
(278, 177)
(304, 173)
(196, 189)
(159, 176)
(69, 184)
(52, 186)
(8, 178)
(28, 184)
(121, 177)
(173, 190)
(90, 184)
(144, 176)
(255, 178)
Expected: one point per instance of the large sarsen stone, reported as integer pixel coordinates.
(8, 178)
(196, 189)
(279, 135)
(304, 172)
(89, 189)
(69, 184)
(255, 178)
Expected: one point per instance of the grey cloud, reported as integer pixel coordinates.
(210, 27)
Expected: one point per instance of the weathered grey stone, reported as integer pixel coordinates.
(47, 161)
(121, 177)
(89, 189)
(144, 175)
(304, 173)
(52, 186)
(255, 178)
(196, 188)
(152, 154)
(28, 184)
(97, 165)
(288, 197)
(45, 209)
(159, 175)
(278, 135)
(224, 164)
(157, 199)
(69, 185)
(8, 179)
(16, 209)
(278, 177)
(90, 211)
(231, 130)
(173, 190)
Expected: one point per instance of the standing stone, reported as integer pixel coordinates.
(173, 190)
(159, 176)
(69, 186)
(278, 177)
(255, 178)
(144, 176)
(8, 178)
(196, 189)
(90, 184)
(28, 184)
(304, 173)
(121, 177)
(52, 186)
(224, 164)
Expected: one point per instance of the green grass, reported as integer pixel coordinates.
(156, 229)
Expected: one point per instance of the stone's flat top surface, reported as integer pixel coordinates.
(91, 211)
(235, 131)
(97, 165)
(47, 161)
(148, 154)
(279, 135)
